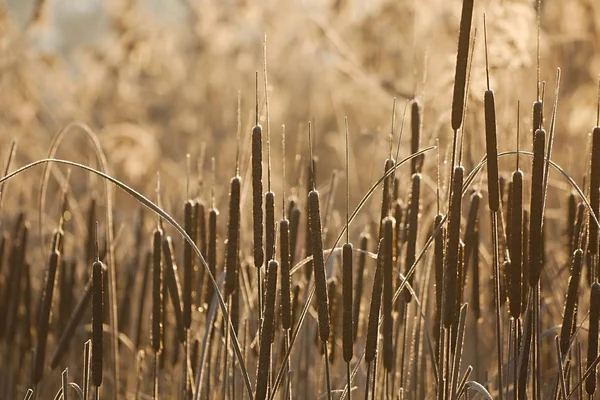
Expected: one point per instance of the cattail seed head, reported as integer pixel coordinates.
(269, 226)
(347, 311)
(515, 245)
(462, 56)
(373, 322)
(415, 139)
(267, 332)
(97, 331)
(316, 243)
(211, 251)
(592, 354)
(172, 285)
(538, 115)
(157, 302)
(571, 302)
(536, 208)
(362, 259)
(594, 190)
(188, 273)
(257, 193)
(388, 267)
(452, 250)
(413, 229)
(491, 150)
(233, 236)
(295, 215)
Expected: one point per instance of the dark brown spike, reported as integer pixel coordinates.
(267, 332)
(462, 56)
(43, 321)
(173, 286)
(438, 254)
(571, 302)
(316, 243)
(594, 190)
(211, 251)
(311, 182)
(141, 313)
(374, 308)
(536, 208)
(571, 217)
(257, 194)
(471, 227)
(452, 248)
(388, 291)
(233, 237)
(475, 294)
(188, 264)
(295, 215)
(415, 141)
(525, 262)
(592, 353)
(538, 115)
(413, 229)
(347, 306)
(386, 193)
(97, 313)
(362, 259)
(200, 230)
(269, 226)
(491, 150)
(515, 245)
(90, 245)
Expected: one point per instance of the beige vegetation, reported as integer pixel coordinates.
(164, 99)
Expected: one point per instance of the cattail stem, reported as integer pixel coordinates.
(496, 273)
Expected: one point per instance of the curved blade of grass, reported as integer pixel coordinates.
(159, 212)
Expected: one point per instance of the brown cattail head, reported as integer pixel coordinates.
(388, 291)
(157, 282)
(415, 139)
(515, 245)
(592, 354)
(387, 193)
(44, 317)
(233, 237)
(200, 238)
(536, 207)
(438, 262)
(491, 150)
(347, 311)
(413, 229)
(316, 243)
(284, 249)
(188, 264)
(257, 193)
(373, 323)
(269, 226)
(362, 259)
(97, 312)
(471, 227)
(211, 251)
(267, 332)
(90, 243)
(475, 295)
(311, 182)
(594, 190)
(172, 284)
(571, 217)
(295, 215)
(525, 262)
(571, 302)
(462, 56)
(452, 249)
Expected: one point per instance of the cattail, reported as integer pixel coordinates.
(415, 139)
(295, 214)
(316, 243)
(536, 208)
(284, 248)
(373, 323)
(141, 302)
(475, 301)
(233, 237)
(74, 320)
(90, 243)
(235, 311)
(571, 302)
(211, 251)
(188, 264)
(461, 274)
(200, 229)
(311, 182)
(362, 259)
(97, 312)
(525, 262)
(462, 56)
(347, 310)
(269, 226)
(590, 383)
(333, 316)
(388, 266)
(295, 302)
(172, 284)
(594, 190)
(571, 217)
(267, 332)
(450, 280)
(524, 359)
(471, 227)
(157, 284)
(386, 193)
(14, 292)
(257, 193)
(413, 228)
(399, 217)
(44, 317)
(491, 150)
(515, 245)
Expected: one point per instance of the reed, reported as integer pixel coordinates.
(452, 248)
(592, 352)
